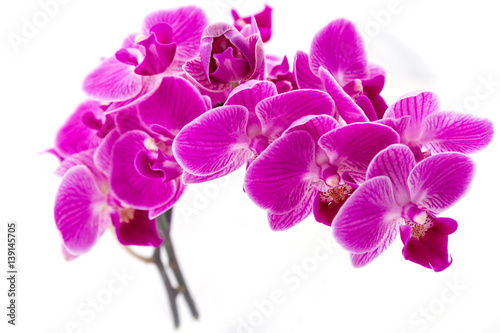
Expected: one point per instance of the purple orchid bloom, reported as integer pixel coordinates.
(428, 131)
(400, 194)
(338, 65)
(223, 139)
(263, 20)
(168, 39)
(85, 207)
(144, 173)
(227, 57)
(278, 72)
(304, 169)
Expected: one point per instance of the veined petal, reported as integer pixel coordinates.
(188, 178)
(213, 141)
(452, 131)
(277, 113)
(285, 221)
(127, 184)
(363, 259)
(179, 188)
(102, 155)
(352, 147)
(74, 136)
(441, 180)
(418, 106)
(316, 125)
(174, 104)
(80, 210)
(196, 73)
(339, 48)
(187, 25)
(305, 78)
(280, 178)
(345, 106)
(113, 81)
(365, 220)
(395, 162)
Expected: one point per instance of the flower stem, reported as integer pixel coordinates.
(164, 222)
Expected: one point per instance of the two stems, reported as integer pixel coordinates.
(163, 223)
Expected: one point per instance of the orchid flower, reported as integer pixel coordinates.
(278, 72)
(144, 173)
(338, 65)
(263, 20)
(85, 207)
(400, 194)
(304, 168)
(227, 57)
(223, 139)
(168, 39)
(428, 131)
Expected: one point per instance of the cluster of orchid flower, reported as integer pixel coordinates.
(186, 102)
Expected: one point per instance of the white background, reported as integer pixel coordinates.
(231, 259)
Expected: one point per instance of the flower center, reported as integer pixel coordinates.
(337, 194)
(126, 214)
(418, 230)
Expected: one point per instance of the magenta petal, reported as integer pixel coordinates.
(277, 113)
(127, 183)
(263, 20)
(418, 106)
(213, 141)
(339, 48)
(280, 178)
(80, 210)
(451, 131)
(196, 73)
(74, 136)
(362, 259)
(102, 155)
(352, 147)
(305, 78)
(346, 107)
(395, 162)
(159, 54)
(430, 251)
(188, 178)
(441, 180)
(285, 221)
(314, 125)
(174, 104)
(178, 191)
(187, 25)
(367, 217)
(139, 230)
(230, 69)
(113, 81)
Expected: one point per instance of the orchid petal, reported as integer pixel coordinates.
(113, 81)
(213, 141)
(102, 156)
(363, 259)
(279, 222)
(440, 181)
(395, 162)
(174, 104)
(127, 184)
(451, 131)
(280, 178)
(79, 210)
(305, 78)
(365, 220)
(139, 230)
(347, 109)
(352, 147)
(339, 48)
